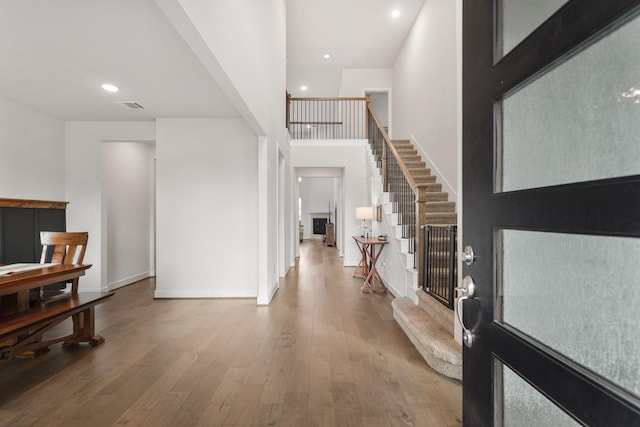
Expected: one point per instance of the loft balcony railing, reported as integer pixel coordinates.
(327, 118)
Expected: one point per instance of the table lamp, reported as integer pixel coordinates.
(364, 213)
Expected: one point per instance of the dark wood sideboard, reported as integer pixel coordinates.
(21, 222)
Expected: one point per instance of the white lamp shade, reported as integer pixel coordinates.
(364, 212)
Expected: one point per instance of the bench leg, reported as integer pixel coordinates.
(84, 329)
(31, 354)
(7, 351)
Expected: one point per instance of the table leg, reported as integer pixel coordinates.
(362, 270)
(370, 280)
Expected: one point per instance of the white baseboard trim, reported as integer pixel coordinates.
(128, 280)
(266, 300)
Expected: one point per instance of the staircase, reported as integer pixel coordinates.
(438, 210)
(429, 324)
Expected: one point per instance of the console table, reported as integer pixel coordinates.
(370, 249)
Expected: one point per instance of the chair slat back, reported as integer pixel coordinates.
(68, 247)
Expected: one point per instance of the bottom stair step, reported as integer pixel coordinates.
(433, 342)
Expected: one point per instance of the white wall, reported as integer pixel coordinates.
(128, 186)
(356, 80)
(32, 154)
(86, 212)
(426, 90)
(248, 39)
(207, 199)
(349, 155)
(243, 45)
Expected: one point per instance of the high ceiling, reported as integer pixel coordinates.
(356, 33)
(56, 54)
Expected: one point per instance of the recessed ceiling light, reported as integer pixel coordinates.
(395, 13)
(110, 88)
(327, 56)
(303, 88)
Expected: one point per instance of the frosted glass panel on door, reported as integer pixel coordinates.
(518, 18)
(577, 294)
(579, 121)
(524, 406)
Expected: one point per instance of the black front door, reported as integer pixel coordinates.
(551, 196)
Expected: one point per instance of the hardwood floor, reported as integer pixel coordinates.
(322, 354)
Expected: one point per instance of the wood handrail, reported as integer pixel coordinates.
(387, 141)
(419, 192)
(26, 203)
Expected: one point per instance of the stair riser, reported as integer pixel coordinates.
(415, 164)
(419, 171)
(433, 188)
(440, 207)
(441, 314)
(406, 151)
(402, 143)
(440, 222)
(436, 196)
(408, 260)
(409, 158)
(438, 219)
(426, 179)
(452, 218)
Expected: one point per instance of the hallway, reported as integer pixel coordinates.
(321, 354)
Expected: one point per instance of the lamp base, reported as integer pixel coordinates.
(364, 229)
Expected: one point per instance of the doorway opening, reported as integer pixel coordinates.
(128, 212)
(319, 198)
(379, 100)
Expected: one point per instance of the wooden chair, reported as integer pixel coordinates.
(61, 247)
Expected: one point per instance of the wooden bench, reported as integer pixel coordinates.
(21, 333)
(24, 321)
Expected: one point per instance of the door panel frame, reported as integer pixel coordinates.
(580, 208)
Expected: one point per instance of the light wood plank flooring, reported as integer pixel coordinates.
(322, 354)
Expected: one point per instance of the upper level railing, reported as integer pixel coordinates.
(327, 118)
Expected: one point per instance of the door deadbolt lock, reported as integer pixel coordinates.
(468, 256)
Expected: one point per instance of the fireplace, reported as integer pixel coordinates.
(319, 225)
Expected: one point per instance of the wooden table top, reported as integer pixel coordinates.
(370, 240)
(47, 274)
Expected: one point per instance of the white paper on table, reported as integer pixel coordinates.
(17, 268)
